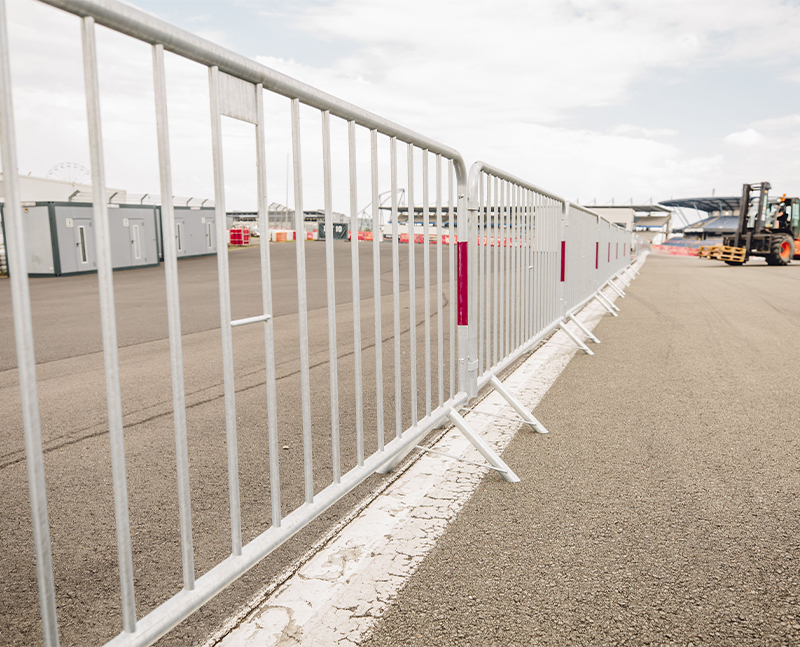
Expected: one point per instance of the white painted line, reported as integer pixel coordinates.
(336, 596)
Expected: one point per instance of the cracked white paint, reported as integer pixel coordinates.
(335, 598)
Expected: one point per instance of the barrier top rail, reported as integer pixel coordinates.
(133, 22)
(482, 167)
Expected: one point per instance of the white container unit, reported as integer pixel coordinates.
(60, 237)
(195, 232)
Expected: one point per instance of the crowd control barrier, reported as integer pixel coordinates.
(537, 260)
(521, 262)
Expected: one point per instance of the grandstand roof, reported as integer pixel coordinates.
(705, 204)
(713, 225)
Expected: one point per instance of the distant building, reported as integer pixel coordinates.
(722, 217)
(652, 221)
(45, 189)
(281, 217)
(59, 221)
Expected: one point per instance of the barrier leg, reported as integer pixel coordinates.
(390, 465)
(526, 415)
(484, 449)
(616, 289)
(621, 278)
(577, 341)
(606, 304)
(584, 330)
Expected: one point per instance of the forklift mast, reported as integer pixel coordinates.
(752, 212)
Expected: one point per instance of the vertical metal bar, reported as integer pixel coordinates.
(537, 265)
(439, 280)
(225, 315)
(481, 271)
(452, 276)
(398, 402)
(377, 235)
(535, 235)
(351, 138)
(523, 234)
(503, 292)
(519, 254)
(508, 269)
(512, 293)
(551, 277)
(528, 264)
(302, 301)
(108, 323)
(174, 318)
(488, 265)
(23, 335)
(468, 212)
(520, 258)
(266, 299)
(427, 280)
(330, 278)
(562, 287)
(496, 275)
(547, 258)
(515, 268)
(412, 286)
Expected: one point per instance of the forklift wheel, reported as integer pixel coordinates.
(780, 251)
(735, 262)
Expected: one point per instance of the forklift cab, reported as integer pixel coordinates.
(790, 222)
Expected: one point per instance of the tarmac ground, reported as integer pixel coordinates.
(664, 506)
(75, 430)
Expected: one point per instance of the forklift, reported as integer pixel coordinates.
(766, 228)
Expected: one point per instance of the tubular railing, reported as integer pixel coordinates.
(524, 262)
(537, 260)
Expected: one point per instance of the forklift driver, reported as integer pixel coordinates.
(783, 217)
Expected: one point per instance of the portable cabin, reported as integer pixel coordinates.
(60, 237)
(195, 231)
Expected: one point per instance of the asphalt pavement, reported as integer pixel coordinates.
(75, 430)
(664, 506)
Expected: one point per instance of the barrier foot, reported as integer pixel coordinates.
(614, 306)
(620, 277)
(387, 467)
(616, 289)
(527, 416)
(487, 452)
(577, 341)
(461, 459)
(606, 304)
(584, 330)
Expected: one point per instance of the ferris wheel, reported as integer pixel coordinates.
(70, 172)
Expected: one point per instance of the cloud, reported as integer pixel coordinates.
(501, 85)
(746, 138)
(647, 133)
(780, 125)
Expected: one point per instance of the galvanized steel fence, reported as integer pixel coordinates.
(536, 261)
(521, 263)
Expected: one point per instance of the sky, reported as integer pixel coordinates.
(595, 100)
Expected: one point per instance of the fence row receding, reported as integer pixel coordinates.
(517, 264)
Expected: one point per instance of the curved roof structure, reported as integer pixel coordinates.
(716, 225)
(705, 204)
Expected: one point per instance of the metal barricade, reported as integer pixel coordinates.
(521, 261)
(236, 89)
(537, 260)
